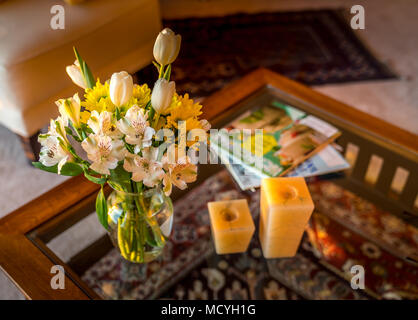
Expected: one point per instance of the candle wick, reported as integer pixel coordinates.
(228, 215)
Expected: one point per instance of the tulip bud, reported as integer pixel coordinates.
(121, 88)
(166, 47)
(162, 94)
(74, 72)
(70, 109)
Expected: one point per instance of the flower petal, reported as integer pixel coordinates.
(61, 163)
(100, 167)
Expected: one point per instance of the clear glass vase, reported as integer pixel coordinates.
(139, 223)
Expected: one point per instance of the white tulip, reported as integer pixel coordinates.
(162, 94)
(166, 47)
(70, 109)
(74, 72)
(121, 88)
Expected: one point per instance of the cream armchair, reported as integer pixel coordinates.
(111, 35)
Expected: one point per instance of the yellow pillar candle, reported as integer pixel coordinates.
(285, 208)
(232, 225)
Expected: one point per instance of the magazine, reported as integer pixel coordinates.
(288, 136)
(326, 161)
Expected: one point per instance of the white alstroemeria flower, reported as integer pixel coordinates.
(136, 127)
(166, 47)
(52, 152)
(162, 94)
(103, 152)
(57, 128)
(74, 72)
(70, 109)
(121, 88)
(180, 173)
(104, 124)
(145, 168)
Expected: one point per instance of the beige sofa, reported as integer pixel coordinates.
(111, 35)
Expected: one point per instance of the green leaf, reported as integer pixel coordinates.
(120, 175)
(86, 128)
(120, 179)
(71, 133)
(87, 74)
(69, 169)
(94, 179)
(149, 238)
(151, 113)
(117, 186)
(79, 59)
(101, 208)
(117, 113)
(53, 169)
(130, 148)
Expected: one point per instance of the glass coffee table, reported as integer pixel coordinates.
(366, 216)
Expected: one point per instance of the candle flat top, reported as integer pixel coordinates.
(286, 192)
(230, 215)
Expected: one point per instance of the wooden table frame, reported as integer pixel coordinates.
(24, 259)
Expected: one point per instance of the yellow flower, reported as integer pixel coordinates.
(184, 108)
(141, 96)
(84, 116)
(98, 98)
(193, 123)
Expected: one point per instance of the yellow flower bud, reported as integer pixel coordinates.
(70, 109)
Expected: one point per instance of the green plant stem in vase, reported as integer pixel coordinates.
(139, 222)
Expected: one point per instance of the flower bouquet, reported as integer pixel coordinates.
(133, 139)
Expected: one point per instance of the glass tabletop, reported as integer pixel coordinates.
(365, 216)
(345, 230)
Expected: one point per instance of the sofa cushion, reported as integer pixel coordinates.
(109, 34)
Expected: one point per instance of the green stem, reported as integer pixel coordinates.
(161, 72)
(140, 228)
(167, 72)
(157, 117)
(140, 221)
(78, 133)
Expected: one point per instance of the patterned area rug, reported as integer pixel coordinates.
(383, 244)
(189, 268)
(314, 47)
